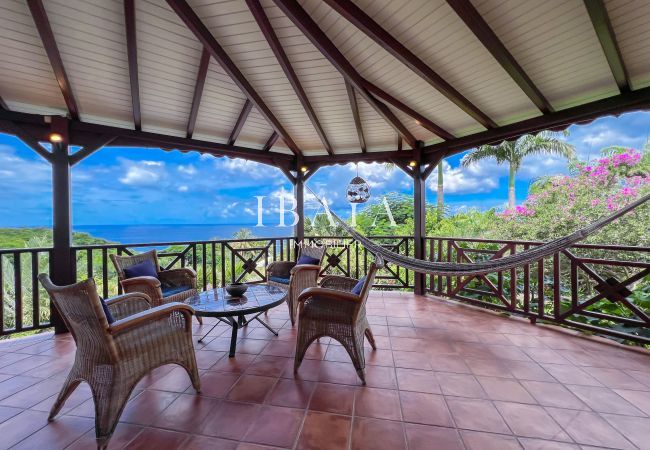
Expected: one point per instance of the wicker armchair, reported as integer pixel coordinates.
(113, 358)
(173, 285)
(333, 310)
(296, 277)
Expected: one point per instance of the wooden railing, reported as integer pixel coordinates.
(598, 288)
(591, 287)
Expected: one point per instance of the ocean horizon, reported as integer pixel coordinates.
(152, 233)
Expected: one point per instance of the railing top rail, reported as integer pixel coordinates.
(631, 248)
(25, 250)
(169, 244)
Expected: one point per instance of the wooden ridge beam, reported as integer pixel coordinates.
(365, 23)
(310, 29)
(194, 23)
(422, 121)
(243, 115)
(44, 28)
(616, 105)
(271, 142)
(198, 91)
(132, 57)
(475, 22)
(605, 32)
(355, 113)
(267, 30)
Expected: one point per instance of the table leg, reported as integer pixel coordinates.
(233, 337)
(257, 317)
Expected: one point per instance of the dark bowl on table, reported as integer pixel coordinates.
(236, 289)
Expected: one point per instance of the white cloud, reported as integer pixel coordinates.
(477, 178)
(142, 173)
(187, 170)
(183, 188)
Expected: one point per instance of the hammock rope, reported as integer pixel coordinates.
(484, 267)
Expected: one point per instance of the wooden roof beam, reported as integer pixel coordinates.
(132, 56)
(365, 23)
(271, 142)
(355, 113)
(240, 122)
(310, 29)
(421, 120)
(194, 23)
(265, 25)
(475, 22)
(44, 28)
(198, 91)
(605, 32)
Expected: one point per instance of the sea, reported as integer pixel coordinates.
(144, 234)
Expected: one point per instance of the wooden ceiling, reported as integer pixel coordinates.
(325, 81)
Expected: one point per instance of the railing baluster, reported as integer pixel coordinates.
(214, 265)
(36, 307)
(223, 264)
(526, 284)
(540, 288)
(513, 281)
(204, 266)
(18, 292)
(89, 263)
(105, 272)
(556, 285)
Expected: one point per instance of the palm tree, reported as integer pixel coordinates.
(513, 152)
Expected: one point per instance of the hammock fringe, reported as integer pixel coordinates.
(484, 267)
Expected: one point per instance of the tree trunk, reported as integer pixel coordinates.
(441, 194)
(511, 188)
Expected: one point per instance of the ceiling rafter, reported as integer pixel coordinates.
(475, 22)
(365, 23)
(271, 142)
(310, 29)
(419, 118)
(44, 28)
(243, 115)
(605, 32)
(267, 29)
(198, 91)
(194, 23)
(355, 113)
(132, 56)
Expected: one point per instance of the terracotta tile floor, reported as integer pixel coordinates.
(445, 376)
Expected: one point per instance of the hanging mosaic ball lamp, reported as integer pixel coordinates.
(358, 189)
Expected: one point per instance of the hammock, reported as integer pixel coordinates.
(484, 267)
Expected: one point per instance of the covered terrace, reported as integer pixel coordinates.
(300, 85)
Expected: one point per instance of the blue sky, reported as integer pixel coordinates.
(149, 186)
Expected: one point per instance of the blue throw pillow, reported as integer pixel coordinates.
(143, 269)
(356, 290)
(107, 312)
(306, 259)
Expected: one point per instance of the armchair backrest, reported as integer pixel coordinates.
(81, 310)
(314, 251)
(367, 285)
(123, 262)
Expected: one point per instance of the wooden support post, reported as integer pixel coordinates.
(419, 218)
(299, 194)
(61, 259)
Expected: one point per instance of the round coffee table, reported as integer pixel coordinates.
(233, 310)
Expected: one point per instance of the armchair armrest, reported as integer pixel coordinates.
(319, 292)
(338, 282)
(280, 269)
(304, 267)
(184, 276)
(130, 284)
(128, 304)
(150, 315)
